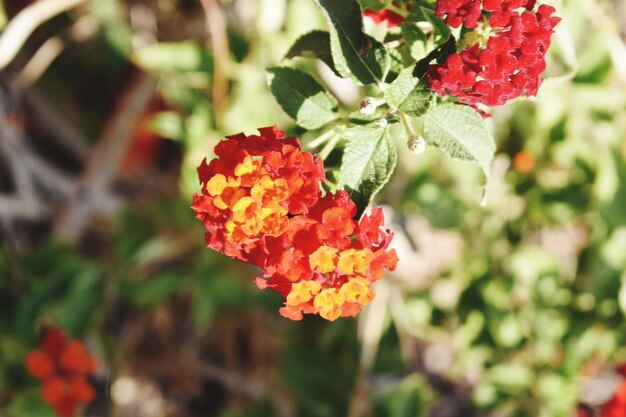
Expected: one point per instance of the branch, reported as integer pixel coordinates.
(48, 176)
(236, 383)
(219, 45)
(51, 119)
(27, 208)
(12, 147)
(93, 191)
(40, 62)
(22, 25)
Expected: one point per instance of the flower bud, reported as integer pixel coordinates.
(416, 144)
(382, 122)
(369, 105)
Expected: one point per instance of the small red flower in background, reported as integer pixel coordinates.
(391, 18)
(505, 52)
(524, 162)
(63, 365)
(143, 147)
(261, 203)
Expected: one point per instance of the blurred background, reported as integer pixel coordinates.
(106, 109)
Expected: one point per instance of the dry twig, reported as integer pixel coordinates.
(93, 191)
(219, 45)
(57, 124)
(22, 25)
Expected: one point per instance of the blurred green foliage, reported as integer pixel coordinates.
(507, 318)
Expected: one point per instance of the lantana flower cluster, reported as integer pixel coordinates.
(261, 202)
(63, 366)
(505, 45)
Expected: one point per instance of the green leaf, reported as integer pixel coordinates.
(440, 54)
(154, 289)
(406, 399)
(513, 378)
(174, 56)
(315, 44)
(83, 297)
(301, 97)
(408, 94)
(368, 160)
(396, 64)
(29, 404)
(356, 55)
(372, 4)
(168, 124)
(441, 30)
(415, 39)
(204, 303)
(461, 132)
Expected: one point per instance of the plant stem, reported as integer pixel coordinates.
(407, 124)
(399, 10)
(320, 139)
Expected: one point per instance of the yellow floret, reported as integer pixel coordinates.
(246, 213)
(324, 259)
(329, 303)
(352, 260)
(357, 290)
(248, 166)
(302, 292)
(218, 182)
(275, 224)
(270, 192)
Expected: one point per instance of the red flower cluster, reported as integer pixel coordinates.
(252, 189)
(261, 203)
(391, 18)
(326, 261)
(505, 53)
(63, 365)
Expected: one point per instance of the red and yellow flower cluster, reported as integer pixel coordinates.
(261, 202)
(63, 366)
(505, 46)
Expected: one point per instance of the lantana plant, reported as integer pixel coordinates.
(436, 69)
(64, 367)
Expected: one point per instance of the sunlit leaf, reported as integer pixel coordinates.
(301, 97)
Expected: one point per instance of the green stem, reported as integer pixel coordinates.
(329, 147)
(320, 139)
(407, 124)
(400, 10)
